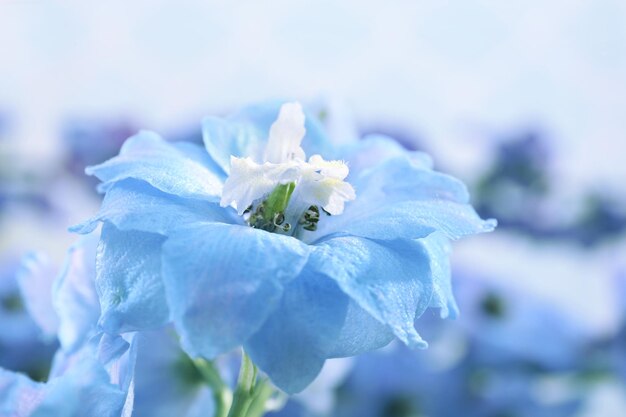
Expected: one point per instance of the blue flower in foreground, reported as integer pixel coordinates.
(247, 242)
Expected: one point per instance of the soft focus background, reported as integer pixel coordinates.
(525, 101)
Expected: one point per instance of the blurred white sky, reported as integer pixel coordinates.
(449, 70)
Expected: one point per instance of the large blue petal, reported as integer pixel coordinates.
(399, 199)
(129, 280)
(407, 220)
(222, 281)
(136, 205)
(391, 280)
(199, 154)
(245, 133)
(74, 294)
(171, 169)
(315, 320)
(401, 179)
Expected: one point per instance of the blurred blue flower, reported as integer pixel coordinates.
(516, 188)
(91, 141)
(167, 382)
(176, 242)
(92, 372)
(510, 325)
(23, 348)
(402, 383)
(89, 382)
(63, 303)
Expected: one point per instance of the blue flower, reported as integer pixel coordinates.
(63, 303)
(247, 242)
(92, 372)
(507, 322)
(90, 382)
(22, 345)
(397, 382)
(167, 383)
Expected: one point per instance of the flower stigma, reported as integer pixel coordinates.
(283, 192)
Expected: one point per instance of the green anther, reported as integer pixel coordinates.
(310, 218)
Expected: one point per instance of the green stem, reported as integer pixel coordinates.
(245, 387)
(250, 394)
(221, 393)
(262, 392)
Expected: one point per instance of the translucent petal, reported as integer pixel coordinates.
(408, 220)
(315, 320)
(391, 280)
(399, 199)
(374, 149)
(35, 278)
(439, 249)
(136, 205)
(285, 135)
(171, 169)
(401, 179)
(75, 298)
(222, 282)
(224, 138)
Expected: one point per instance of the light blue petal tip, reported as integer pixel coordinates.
(83, 228)
(416, 342)
(490, 225)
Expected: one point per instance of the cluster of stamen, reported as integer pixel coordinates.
(311, 217)
(259, 219)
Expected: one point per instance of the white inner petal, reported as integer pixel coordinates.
(249, 181)
(286, 135)
(318, 182)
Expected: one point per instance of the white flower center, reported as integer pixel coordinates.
(284, 188)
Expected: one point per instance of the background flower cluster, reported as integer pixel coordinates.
(520, 100)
